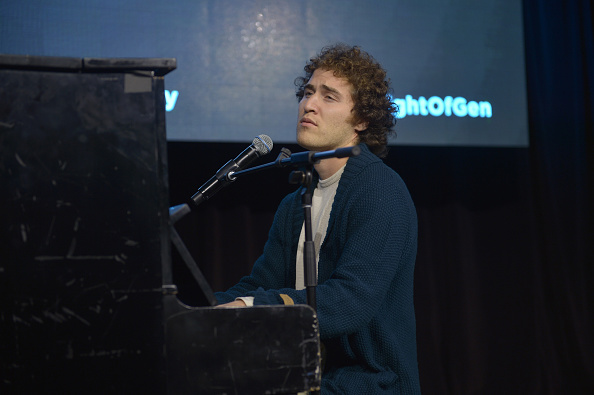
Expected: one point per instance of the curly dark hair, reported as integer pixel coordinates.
(371, 91)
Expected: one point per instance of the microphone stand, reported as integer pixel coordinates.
(305, 178)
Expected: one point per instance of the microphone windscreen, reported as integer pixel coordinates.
(263, 144)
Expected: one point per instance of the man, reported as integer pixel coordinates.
(365, 233)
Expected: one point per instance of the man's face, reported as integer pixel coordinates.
(325, 114)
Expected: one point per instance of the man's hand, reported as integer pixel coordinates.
(235, 303)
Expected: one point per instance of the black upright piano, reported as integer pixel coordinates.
(88, 301)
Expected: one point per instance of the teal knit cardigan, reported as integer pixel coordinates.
(365, 279)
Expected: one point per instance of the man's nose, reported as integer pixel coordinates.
(311, 103)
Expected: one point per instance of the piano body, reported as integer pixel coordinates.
(88, 302)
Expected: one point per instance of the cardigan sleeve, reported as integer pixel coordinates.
(272, 269)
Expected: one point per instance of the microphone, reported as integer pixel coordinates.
(224, 176)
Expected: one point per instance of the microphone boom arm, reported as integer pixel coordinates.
(285, 159)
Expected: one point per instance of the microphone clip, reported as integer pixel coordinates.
(284, 154)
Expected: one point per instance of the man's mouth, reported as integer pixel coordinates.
(307, 121)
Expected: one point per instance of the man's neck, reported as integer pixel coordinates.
(328, 167)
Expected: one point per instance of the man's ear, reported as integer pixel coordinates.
(361, 126)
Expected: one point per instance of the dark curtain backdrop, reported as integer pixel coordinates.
(505, 269)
